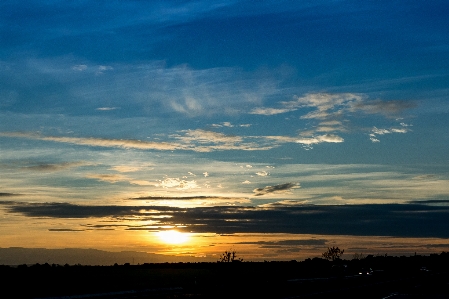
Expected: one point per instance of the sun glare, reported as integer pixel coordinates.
(173, 237)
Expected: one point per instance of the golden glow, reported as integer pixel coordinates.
(173, 237)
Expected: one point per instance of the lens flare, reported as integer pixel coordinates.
(173, 237)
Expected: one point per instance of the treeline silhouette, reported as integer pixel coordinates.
(376, 274)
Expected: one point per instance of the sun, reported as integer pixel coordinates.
(173, 237)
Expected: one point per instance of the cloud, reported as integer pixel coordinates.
(178, 184)
(126, 168)
(307, 141)
(282, 139)
(331, 113)
(396, 220)
(110, 178)
(151, 88)
(375, 132)
(100, 142)
(79, 67)
(106, 108)
(193, 140)
(54, 167)
(223, 124)
(330, 138)
(142, 183)
(287, 202)
(291, 242)
(66, 210)
(384, 107)
(65, 230)
(6, 194)
(203, 136)
(206, 141)
(430, 201)
(282, 188)
(269, 111)
(324, 102)
(262, 173)
(184, 198)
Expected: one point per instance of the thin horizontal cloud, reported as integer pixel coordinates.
(262, 173)
(7, 194)
(183, 198)
(126, 168)
(193, 140)
(282, 188)
(107, 108)
(65, 230)
(387, 108)
(290, 242)
(110, 178)
(269, 111)
(44, 167)
(100, 142)
(430, 201)
(319, 139)
(142, 183)
(203, 136)
(396, 220)
(308, 141)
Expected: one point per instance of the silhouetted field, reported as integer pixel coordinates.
(371, 277)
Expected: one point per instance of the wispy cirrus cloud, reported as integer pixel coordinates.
(152, 87)
(192, 140)
(100, 142)
(326, 105)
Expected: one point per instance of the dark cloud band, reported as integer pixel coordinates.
(412, 220)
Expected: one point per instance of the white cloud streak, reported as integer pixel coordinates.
(376, 131)
(193, 140)
(178, 184)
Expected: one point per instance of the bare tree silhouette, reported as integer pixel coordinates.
(333, 253)
(229, 257)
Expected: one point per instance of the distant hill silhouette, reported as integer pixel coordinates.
(72, 256)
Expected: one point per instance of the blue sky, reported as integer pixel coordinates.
(229, 112)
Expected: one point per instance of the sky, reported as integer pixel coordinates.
(182, 129)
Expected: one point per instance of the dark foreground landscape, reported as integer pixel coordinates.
(371, 277)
